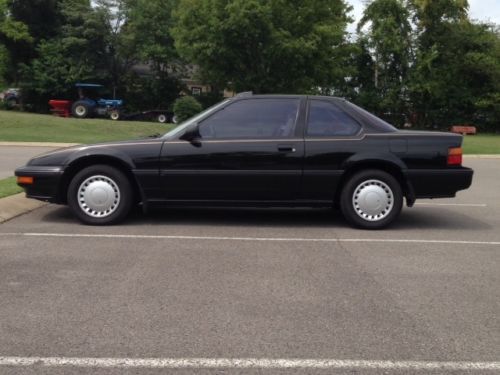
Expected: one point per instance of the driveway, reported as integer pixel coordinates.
(16, 156)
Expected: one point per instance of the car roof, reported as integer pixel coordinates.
(247, 95)
(88, 85)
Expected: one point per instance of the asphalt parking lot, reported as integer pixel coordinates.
(256, 291)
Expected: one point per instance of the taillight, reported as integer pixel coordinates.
(455, 156)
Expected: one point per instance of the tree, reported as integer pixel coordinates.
(146, 39)
(262, 45)
(185, 108)
(14, 34)
(80, 52)
(432, 18)
(388, 41)
(42, 17)
(455, 78)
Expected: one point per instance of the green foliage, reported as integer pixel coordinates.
(386, 50)
(148, 31)
(8, 186)
(28, 127)
(15, 38)
(150, 92)
(79, 53)
(263, 46)
(456, 73)
(10, 28)
(41, 17)
(146, 38)
(186, 107)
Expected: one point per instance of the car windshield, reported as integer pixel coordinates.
(378, 122)
(193, 120)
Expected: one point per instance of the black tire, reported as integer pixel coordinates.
(383, 199)
(80, 109)
(112, 195)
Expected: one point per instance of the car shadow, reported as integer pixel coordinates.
(410, 219)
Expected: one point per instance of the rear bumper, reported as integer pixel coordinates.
(439, 183)
(46, 182)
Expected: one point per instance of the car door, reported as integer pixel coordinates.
(331, 136)
(247, 151)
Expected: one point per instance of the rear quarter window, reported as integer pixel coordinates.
(325, 119)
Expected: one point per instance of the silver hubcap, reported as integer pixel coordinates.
(98, 196)
(80, 110)
(373, 200)
(115, 115)
(162, 118)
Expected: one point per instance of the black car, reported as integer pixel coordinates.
(258, 151)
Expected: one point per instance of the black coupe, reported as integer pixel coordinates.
(258, 151)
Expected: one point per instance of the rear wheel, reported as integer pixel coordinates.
(100, 195)
(371, 199)
(80, 109)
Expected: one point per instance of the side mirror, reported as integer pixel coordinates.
(192, 135)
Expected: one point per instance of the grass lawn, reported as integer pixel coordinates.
(8, 187)
(485, 144)
(27, 127)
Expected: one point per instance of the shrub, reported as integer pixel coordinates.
(186, 107)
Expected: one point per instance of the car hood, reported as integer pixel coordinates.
(64, 156)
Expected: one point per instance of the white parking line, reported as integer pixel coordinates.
(270, 239)
(452, 204)
(244, 363)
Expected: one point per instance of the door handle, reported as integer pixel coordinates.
(286, 148)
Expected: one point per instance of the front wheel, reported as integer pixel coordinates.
(371, 199)
(100, 195)
(115, 115)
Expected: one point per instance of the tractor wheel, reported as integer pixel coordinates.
(80, 109)
(11, 103)
(115, 115)
(162, 118)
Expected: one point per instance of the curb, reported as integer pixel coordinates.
(482, 156)
(16, 205)
(38, 144)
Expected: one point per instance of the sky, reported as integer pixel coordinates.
(484, 10)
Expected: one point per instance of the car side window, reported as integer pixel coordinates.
(253, 119)
(327, 120)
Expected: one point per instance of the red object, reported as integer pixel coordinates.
(61, 108)
(464, 129)
(455, 156)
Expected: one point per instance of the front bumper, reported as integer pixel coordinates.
(46, 182)
(439, 183)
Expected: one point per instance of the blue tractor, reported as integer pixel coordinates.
(88, 105)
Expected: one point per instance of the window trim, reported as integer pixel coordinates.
(357, 135)
(292, 135)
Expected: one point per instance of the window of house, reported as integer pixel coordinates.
(196, 91)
